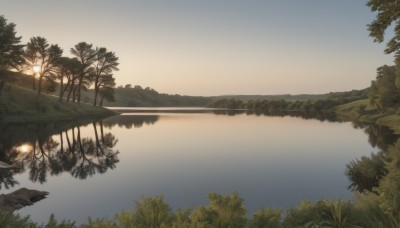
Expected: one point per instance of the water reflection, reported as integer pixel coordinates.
(54, 148)
(128, 121)
(378, 136)
(322, 116)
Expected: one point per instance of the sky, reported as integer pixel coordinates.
(216, 47)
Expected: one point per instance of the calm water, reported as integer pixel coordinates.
(99, 167)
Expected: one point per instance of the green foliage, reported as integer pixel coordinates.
(53, 223)
(381, 206)
(338, 214)
(390, 185)
(307, 212)
(267, 106)
(267, 217)
(152, 212)
(351, 95)
(228, 210)
(383, 92)
(10, 220)
(202, 217)
(223, 211)
(181, 218)
(365, 173)
(227, 103)
(387, 13)
(11, 51)
(100, 223)
(137, 96)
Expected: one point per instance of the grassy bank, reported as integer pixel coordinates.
(21, 104)
(362, 111)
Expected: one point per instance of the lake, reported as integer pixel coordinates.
(102, 166)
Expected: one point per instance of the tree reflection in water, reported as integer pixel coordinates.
(52, 154)
(44, 149)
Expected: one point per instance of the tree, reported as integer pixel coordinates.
(106, 93)
(388, 13)
(86, 55)
(68, 69)
(267, 217)
(383, 92)
(390, 184)
(223, 211)
(152, 212)
(11, 51)
(40, 53)
(365, 173)
(106, 62)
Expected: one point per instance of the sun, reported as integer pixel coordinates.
(25, 148)
(36, 69)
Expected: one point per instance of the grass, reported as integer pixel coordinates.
(21, 104)
(362, 111)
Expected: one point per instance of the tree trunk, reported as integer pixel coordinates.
(70, 91)
(61, 89)
(96, 92)
(61, 143)
(40, 85)
(97, 138)
(101, 101)
(74, 94)
(101, 130)
(33, 82)
(79, 88)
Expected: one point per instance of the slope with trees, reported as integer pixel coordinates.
(40, 66)
(137, 96)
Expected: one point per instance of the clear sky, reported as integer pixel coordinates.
(216, 47)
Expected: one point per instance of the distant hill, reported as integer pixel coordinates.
(353, 94)
(147, 97)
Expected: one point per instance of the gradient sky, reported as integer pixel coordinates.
(215, 47)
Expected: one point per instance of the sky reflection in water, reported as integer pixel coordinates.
(271, 161)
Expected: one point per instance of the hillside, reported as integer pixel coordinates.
(147, 97)
(362, 111)
(138, 97)
(18, 103)
(351, 95)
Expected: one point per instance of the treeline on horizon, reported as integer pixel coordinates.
(316, 105)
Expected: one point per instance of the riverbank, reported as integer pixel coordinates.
(21, 104)
(362, 111)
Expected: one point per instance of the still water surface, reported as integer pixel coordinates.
(99, 167)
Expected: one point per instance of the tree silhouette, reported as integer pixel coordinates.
(107, 93)
(40, 53)
(106, 62)
(11, 51)
(86, 55)
(68, 69)
(81, 157)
